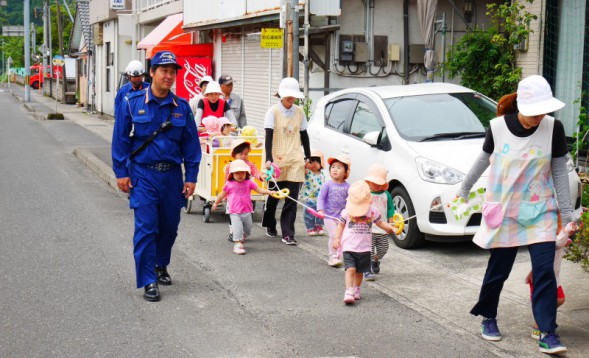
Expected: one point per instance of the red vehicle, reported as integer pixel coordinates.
(36, 79)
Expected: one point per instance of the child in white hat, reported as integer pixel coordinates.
(237, 190)
(354, 235)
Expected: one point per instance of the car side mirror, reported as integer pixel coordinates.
(372, 138)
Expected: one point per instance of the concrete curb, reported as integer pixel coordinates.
(100, 168)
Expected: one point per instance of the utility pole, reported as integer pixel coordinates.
(33, 41)
(60, 30)
(27, 50)
(134, 32)
(50, 47)
(295, 39)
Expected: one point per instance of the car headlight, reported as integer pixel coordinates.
(570, 163)
(432, 171)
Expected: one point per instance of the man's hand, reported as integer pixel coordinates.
(124, 184)
(188, 189)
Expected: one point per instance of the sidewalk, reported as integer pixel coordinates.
(442, 284)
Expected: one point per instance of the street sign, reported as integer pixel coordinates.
(117, 4)
(271, 38)
(58, 60)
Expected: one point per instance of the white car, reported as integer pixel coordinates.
(427, 135)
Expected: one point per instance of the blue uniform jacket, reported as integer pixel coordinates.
(138, 116)
(125, 90)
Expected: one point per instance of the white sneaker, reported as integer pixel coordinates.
(238, 248)
(334, 262)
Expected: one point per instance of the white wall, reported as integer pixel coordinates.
(389, 21)
(110, 34)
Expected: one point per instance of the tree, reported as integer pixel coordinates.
(486, 59)
(13, 47)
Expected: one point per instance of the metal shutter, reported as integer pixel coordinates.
(231, 59)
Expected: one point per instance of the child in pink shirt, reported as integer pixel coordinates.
(354, 234)
(237, 189)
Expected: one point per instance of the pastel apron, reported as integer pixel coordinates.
(286, 145)
(519, 208)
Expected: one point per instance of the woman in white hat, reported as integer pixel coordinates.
(286, 133)
(526, 151)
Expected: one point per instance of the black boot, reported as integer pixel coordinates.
(152, 292)
(163, 277)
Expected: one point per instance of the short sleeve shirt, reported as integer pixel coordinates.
(239, 196)
(269, 119)
(312, 186)
(357, 235)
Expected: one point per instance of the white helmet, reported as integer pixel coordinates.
(135, 68)
(213, 87)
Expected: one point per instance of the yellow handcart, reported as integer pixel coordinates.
(216, 154)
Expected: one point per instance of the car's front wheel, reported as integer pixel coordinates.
(411, 237)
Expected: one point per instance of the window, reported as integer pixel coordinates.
(338, 112)
(428, 116)
(364, 121)
(107, 79)
(108, 61)
(107, 58)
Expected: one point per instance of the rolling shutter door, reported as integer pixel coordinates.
(231, 56)
(261, 78)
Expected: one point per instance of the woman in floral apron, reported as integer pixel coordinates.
(526, 151)
(286, 133)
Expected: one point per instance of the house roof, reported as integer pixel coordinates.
(81, 30)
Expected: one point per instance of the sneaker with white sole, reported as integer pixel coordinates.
(319, 230)
(311, 232)
(334, 262)
(369, 276)
(357, 293)
(289, 240)
(349, 295)
(489, 330)
(238, 248)
(271, 232)
(550, 343)
(535, 333)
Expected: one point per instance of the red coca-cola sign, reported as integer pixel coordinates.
(193, 69)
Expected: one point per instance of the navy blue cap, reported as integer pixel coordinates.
(165, 58)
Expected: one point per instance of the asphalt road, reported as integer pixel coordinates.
(69, 287)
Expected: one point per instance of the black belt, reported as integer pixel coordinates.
(160, 167)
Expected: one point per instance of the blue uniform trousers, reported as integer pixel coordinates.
(544, 297)
(157, 200)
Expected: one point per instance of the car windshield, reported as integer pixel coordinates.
(441, 116)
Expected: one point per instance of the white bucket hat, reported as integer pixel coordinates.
(206, 79)
(238, 165)
(534, 97)
(213, 87)
(289, 87)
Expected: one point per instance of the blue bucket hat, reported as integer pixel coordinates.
(165, 58)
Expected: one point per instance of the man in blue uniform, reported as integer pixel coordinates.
(134, 72)
(154, 134)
